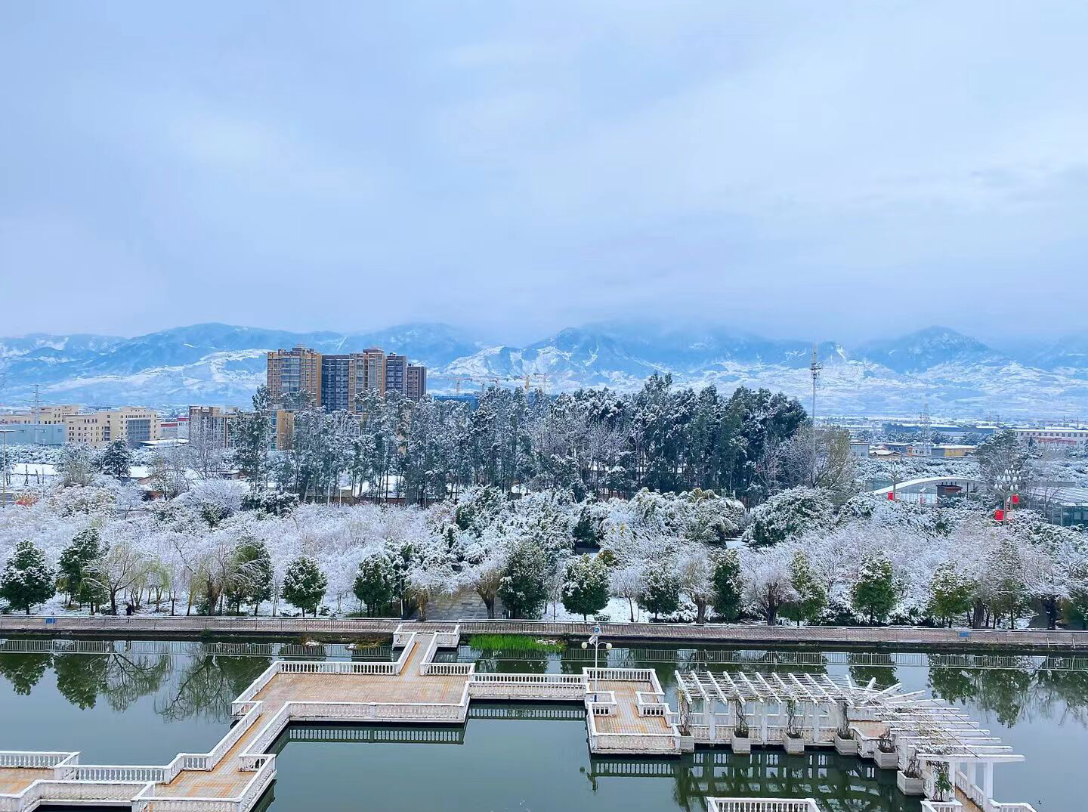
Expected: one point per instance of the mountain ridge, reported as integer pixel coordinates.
(221, 363)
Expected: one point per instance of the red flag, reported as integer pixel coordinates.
(891, 496)
(999, 514)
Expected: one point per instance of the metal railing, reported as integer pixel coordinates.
(761, 805)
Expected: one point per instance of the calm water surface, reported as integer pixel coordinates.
(144, 708)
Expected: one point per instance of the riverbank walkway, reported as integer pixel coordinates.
(902, 637)
(625, 710)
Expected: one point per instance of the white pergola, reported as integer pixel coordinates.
(925, 729)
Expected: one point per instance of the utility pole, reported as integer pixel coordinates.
(815, 367)
(4, 466)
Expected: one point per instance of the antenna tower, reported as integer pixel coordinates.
(927, 431)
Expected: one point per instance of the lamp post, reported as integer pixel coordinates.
(596, 641)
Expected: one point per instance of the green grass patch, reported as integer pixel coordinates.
(515, 642)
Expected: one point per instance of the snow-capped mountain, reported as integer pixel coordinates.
(223, 364)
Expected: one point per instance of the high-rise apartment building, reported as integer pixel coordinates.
(302, 377)
(416, 382)
(370, 374)
(337, 384)
(294, 377)
(396, 374)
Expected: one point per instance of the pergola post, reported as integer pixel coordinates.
(988, 781)
(712, 717)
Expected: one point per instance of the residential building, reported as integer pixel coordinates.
(301, 376)
(294, 377)
(283, 428)
(132, 424)
(41, 415)
(370, 372)
(416, 382)
(396, 374)
(337, 382)
(209, 424)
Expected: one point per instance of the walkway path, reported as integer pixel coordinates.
(756, 634)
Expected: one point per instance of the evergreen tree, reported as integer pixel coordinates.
(304, 584)
(660, 593)
(26, 579)
(585, 587)
(727, 585)
(251, 439)
(811, 599)
(874, 592)
(523, 587)
(951, 594)
(115, 460)
(76, 558)
(376, 583)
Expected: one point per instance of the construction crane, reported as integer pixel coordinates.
(540, 376)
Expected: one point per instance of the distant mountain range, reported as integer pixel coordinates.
(223, 364)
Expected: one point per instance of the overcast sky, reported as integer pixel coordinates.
(808, 169)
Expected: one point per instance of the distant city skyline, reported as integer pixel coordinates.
(845, 171)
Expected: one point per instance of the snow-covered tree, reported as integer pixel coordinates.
(304, 584)
(585, 586)
(788, 515)
(874, 591)
(27, 579)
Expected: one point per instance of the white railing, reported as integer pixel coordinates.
(447, 669)
(621, 674)
(972, 791)
(761, 805)
(267, 734)
(33, 760)
(997, 806)
(449, 639)
(323, 667)
(234, 735)
(116, 774)
(526, 679)
(254, 688)
(49, 791)
(941, 806)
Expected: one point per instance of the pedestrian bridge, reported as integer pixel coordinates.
(927, 490)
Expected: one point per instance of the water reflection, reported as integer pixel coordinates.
(1016, 695)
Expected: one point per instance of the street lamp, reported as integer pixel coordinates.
(596, 641)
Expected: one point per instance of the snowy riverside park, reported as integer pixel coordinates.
(552, 523)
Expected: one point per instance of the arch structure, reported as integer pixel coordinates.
(625, 711)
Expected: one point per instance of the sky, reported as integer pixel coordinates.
(827, 170)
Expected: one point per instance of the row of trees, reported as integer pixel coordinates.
(589, 442)
(221, 548)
